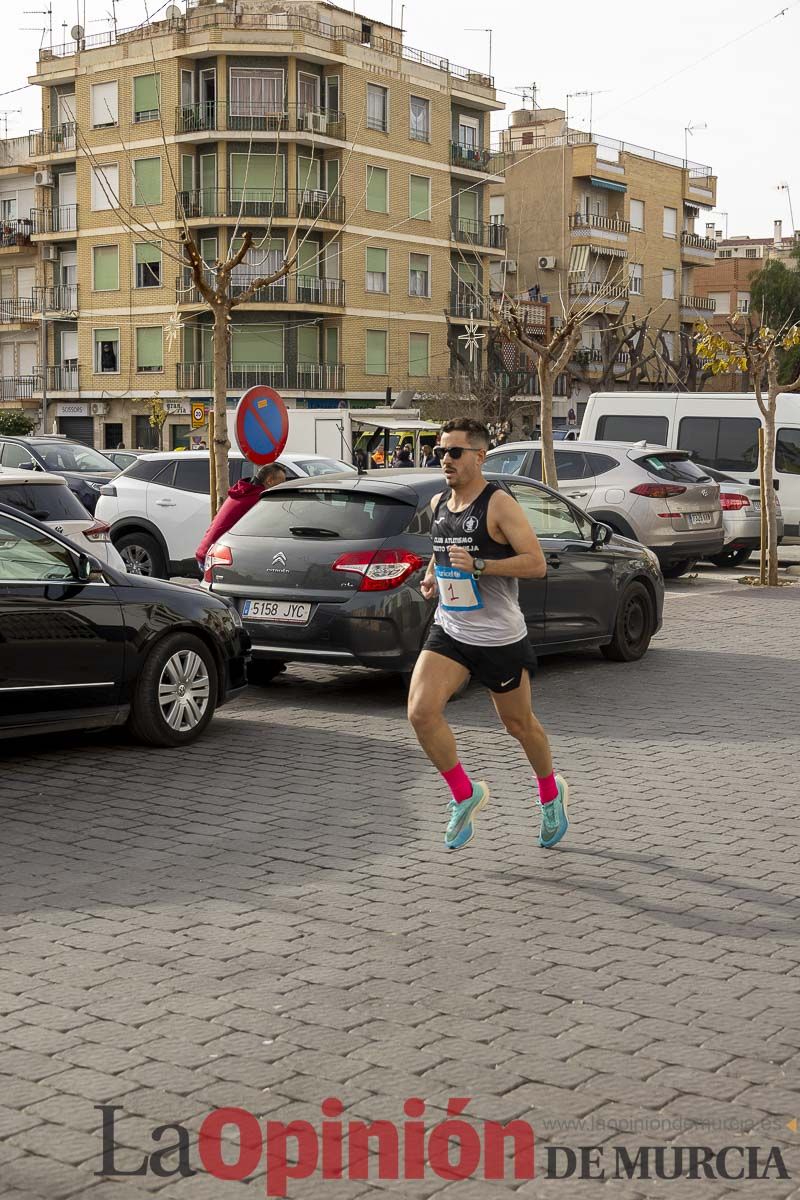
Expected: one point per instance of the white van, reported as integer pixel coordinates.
(719, 428)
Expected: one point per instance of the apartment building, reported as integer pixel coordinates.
(313, 127)
(598, 224)
(20, 298)
(728, 279)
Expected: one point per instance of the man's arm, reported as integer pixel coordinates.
(428, 584)
(528, 561)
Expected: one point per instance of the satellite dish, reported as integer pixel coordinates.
(173, 13)
(77, 32)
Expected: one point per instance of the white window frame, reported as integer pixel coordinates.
(107, 246)
(370, 168)
(150, 203)
(743, 302)
(636, 277)
(472, 123)
(106, 124)
(376, 291)
(144, 370)
(637, 228)
(239, 107)
(412, 135)
(427, 216)
(97, 190)
(672, 232)
(375, 87)
(96, 346)
(151, 287)
(426, 295)
(668, 273)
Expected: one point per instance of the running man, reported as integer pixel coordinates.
(482, 544)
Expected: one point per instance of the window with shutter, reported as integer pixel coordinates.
(105, 187)
(377, 108)
(331, 345)
(150, 349)
(257, 344)
(377, 269)
(260, 179)
(468, 212)
(375, 356)
(308, 174)
(106, 351)
(146, 91)
(420, 127)
(419, 275)
(147, 181)
(670, 222)
(147, 257)
(377, 189)
(105, 109)
(637, 215)
(419, 188)
(308, 344)
(105, 261)
(419, 354)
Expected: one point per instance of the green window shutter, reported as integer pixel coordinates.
(147, 181)
(376, 352)
(331, 345)
(308, 259)
(308, 344)
(105, 335)
(377, 189)
(147, 252)
(308, 174)
(420, 202)
(257, 344)
(468, 206)
(145, 94)
(106, 268)
(468, 274)
(187, 172)
(418, 354)
(149, 349)
(376, 260)
(263, 173)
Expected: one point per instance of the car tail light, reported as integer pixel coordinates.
(733, 501)
(658, 491)
(99, 532)
(216, 556)
(381, 570)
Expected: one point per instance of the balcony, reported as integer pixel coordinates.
(466, 304)
(51, 300)
(591, 359)
(696, 248)
(61, 218)
(476, 158)
(17, 387)
(16, 234)
(304, 289)
(244, 117)
(205, 203)
(43, 143)
(478, 233)
(603, 292)
(61, 378)
(15, 312)
(582, 224)
(697, 306)
(322, 377)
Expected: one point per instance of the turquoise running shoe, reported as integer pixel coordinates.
(555, 821)
(461, 827)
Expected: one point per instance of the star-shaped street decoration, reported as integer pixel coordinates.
(471, 338)
(173, 328)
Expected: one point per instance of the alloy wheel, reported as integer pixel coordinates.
(137, 560)
(184, 691)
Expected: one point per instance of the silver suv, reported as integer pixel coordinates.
(656, 496)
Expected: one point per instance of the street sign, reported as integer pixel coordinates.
(198, 416)
(262, 425)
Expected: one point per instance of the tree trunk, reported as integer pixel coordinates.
(549, 473)
(772, 515)
(221, 445)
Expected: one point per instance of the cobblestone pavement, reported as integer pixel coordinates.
(270, 919)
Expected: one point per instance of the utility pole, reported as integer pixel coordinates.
(784, 187)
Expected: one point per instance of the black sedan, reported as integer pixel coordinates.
(330, 573)
(84, 469)
(83, 646)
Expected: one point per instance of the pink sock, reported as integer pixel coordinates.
(459, 783)
(548, 789)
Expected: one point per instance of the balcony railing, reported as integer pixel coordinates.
(58, 140)
(16, 387)
(324, 377)
(61, 218)
(604, 291)
(14, 312)
(700, 303)
(589, 355)
(476, 158)
(16, 232)
(479, 233)
(467, 304)
(694, 241)
(262, 203)
(62, 378)
(242, 116)
(579, 221)
(304, 289)
(63, 298)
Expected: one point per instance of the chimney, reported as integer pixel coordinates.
(719, 235)
(778, 233)
(709, 229)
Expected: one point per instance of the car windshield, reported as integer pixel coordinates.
(678, 468)
(321, 466)
(69, 456)
(330, 514)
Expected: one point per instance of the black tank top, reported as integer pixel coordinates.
(468, 529)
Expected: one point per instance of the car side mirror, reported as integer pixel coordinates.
(87, 567)
(28, 466)
(601, 534)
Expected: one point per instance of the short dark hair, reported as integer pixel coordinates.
(475, 430)
(272, 474)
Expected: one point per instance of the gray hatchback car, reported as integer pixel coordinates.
(329, 571)
(657, 496)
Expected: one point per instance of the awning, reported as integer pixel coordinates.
(609, 251)
(578, 260)
(606, 183)
(398, 425)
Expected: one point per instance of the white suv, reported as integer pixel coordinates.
(159, 508)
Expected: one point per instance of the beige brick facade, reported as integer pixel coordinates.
(246, 101)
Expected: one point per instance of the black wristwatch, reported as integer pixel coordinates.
(478, 567)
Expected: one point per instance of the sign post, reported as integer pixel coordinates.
(261, 426)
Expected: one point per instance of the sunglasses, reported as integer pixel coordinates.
(455, 452)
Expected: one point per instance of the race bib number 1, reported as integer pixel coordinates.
(458, 590)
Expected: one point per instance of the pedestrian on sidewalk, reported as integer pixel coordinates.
(241, 498)
(482, 545)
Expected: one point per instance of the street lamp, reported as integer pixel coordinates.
(784, 187)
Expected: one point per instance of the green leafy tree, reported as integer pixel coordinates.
(775, 302)
(157, 416)
(14, 422)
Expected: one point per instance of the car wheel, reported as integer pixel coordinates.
(176, 693)
(633, 627)
(142, 555)
(674, 570)
(262, 672)
(731, 558)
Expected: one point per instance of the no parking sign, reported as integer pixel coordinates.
(262, 425)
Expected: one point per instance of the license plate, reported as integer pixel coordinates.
(283, 612)
(756, 506)
(701, 518)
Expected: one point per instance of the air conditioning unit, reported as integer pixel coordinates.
(547, 262)
(44, 178)
(316, 122)
(49, 253)
(99, 409)
(511, 266)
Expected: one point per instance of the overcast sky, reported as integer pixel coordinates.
(625, 50)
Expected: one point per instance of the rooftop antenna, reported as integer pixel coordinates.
(173, 13)
(490, 32)
(43, 12)
(591, 95)
(5, 113)
(688, 131)
(77, 33)
(784, 187)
